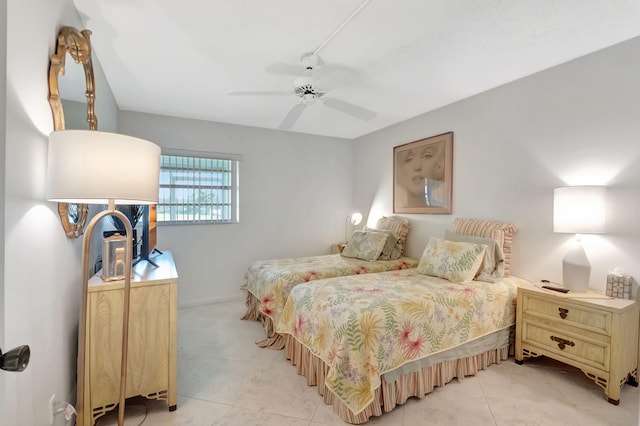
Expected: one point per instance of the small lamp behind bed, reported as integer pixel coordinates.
(355, 218)
(578, 210)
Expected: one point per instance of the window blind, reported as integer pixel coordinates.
(198, 187)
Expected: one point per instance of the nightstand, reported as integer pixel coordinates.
(337, 248)
(597, 335)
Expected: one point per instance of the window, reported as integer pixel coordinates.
(198, 187)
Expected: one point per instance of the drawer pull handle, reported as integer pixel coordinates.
(562, 343)
(563, 312)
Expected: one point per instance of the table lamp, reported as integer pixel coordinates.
(355, 219)
(578, 210)
(92, 167)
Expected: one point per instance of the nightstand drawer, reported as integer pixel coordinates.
(593, 353)
(564, 311)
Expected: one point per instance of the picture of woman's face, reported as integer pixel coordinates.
(411, 175)
(422, 175)
(433, 157)
(419, 164)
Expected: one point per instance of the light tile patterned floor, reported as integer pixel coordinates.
(224, 379)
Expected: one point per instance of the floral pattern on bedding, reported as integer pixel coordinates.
(271, 281)
(365, 326)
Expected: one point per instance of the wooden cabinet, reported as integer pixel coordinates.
(152, 350)
(597, 335)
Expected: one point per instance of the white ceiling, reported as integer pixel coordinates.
(399, 58)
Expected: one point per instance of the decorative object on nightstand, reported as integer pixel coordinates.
(619, 284)
(578, 210)
(354, 218)
(113, 250)
(598, 335)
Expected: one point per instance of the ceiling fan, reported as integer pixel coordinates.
(309, 91)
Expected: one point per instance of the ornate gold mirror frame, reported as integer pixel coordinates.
(77, 44)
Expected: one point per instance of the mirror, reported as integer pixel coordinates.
(76, 79)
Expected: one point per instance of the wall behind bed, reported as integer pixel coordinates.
(295, 192)
(576, 123)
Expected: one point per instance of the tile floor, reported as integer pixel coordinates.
(224, 379)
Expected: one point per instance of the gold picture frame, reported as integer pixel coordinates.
(423, 175)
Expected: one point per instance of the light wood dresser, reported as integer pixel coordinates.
(152, 350)
(597, 335)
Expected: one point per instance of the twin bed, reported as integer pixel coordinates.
(370, 341)
(269, 282)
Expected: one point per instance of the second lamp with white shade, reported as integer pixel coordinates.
(354, 218)
(92, 167)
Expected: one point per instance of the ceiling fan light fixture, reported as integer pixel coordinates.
(308, 98)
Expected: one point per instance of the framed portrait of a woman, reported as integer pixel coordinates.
(423, 174)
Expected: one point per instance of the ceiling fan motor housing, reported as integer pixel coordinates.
(304, 88)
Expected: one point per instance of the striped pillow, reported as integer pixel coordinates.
(501, 232)
(396, 224)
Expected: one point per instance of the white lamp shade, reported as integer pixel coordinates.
(356, 218)
(92, 167)
(579, 209)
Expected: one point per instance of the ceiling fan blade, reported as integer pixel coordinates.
(317, 72)
(349, 108)
(260, 93)
(292, 116)
(289, 69)
(334, 77)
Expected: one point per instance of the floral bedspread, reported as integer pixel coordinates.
(271, 281)
(364, 326)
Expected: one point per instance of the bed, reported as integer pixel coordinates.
(370, 342)
(269, 282)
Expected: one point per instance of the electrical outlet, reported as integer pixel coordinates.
(52, 414)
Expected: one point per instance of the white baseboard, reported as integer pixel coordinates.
(211, 301)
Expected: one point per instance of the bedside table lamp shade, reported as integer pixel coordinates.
(92, 167)
(578, 210)
(355, 219)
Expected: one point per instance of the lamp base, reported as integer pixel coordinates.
(576, 269)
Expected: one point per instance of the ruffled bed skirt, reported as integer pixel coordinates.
(388, 395)
(273, 339)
